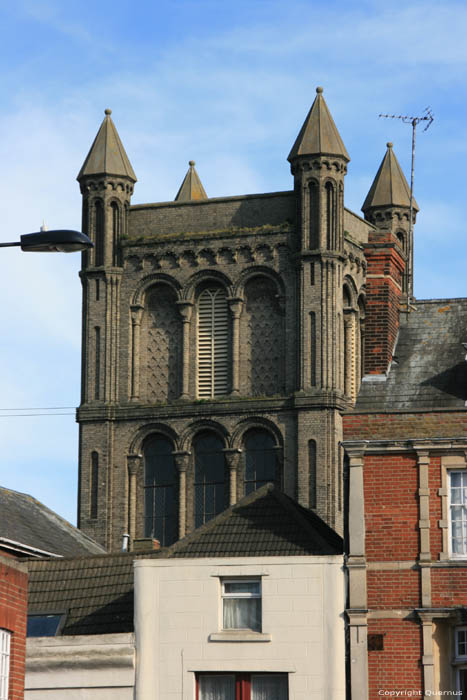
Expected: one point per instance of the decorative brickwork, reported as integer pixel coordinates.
(13, 611)
(162, 346)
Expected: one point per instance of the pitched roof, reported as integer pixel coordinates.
(264, 523)
(191, 188)
(28, 527)
(107, 155)
(389, 187)
(429, 370)
(319, 134)
(97, 591)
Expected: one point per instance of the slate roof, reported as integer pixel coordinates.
(26, 521)
(97, 591)
(107, 155)
(191, 189)
(429, 370)
(389, 188)
(264, 523)
(319, 134)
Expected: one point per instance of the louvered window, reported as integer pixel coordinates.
(5, 637)
(213, 343)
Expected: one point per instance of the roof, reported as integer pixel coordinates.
(191, 188)
(389, 187)
(107, 155)
(264, 523)
(319, 134)
(429, 370)
(97, 592)
(28, 527)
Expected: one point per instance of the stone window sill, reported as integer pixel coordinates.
(239, 636)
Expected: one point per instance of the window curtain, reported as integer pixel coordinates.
(242, 613)
(268, 687)
(212, 687)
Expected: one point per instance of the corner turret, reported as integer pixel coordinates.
(191, 189)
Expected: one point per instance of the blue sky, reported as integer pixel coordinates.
(228, 85)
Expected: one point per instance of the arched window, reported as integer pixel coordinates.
(330, 215)
(160, 495)
(213, 343)
(94, 485)
(260, 459)
(211, 493)
(116, 251)
(314, 215)
(99, 228)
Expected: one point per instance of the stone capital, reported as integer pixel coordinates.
(182, 460)
(232, 457)
(185, 308)
(136, 313)
(134, 463)
(236, 306)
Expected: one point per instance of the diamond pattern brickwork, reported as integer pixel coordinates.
(163, 346)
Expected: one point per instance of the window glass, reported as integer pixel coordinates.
(260, 460)
(210, 488)
(242, 686)
(5, 637)
(242, 604)
(266, 686)
(160, 505)
(458, 496)
(43, 625)
(216, 687)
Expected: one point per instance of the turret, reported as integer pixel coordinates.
(106, 180)
(389, 274)
(318, 162)
(191, 189)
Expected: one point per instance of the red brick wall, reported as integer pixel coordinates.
(389, 590)
(383, 292)
(404, 426)
(397, 666)
(449, 587)
(391, 507)
(13, 611)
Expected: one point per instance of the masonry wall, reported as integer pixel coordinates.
(179, 631)
(13, 612)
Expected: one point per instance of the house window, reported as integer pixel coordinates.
(45, 625)
(5, 638)
(461, 658)
(213, 343)
(241, 604)
(458, 512)
(242, 686)
(160, 491)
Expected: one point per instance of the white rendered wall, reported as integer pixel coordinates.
(178, 613)
(84, 667)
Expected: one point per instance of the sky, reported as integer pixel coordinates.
(227, 85)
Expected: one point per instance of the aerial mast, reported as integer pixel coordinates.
(414, 121)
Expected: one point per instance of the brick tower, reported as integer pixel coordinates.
(221, 341)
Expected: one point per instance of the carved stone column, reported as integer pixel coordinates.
(236, 305)
(185, 308)
(134, 466)
(349, 359)
(181, 462)
(136, 317)
(232, 457)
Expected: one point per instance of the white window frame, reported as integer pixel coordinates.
(5, 647)
(241, 596)
(452, 554)
(460, 660)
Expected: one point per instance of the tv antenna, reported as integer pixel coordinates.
(427, 117)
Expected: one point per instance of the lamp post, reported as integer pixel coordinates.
(58, 241)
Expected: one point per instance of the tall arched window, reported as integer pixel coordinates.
(213, 343)
(99, 229)
(314, 215)
(160, 494)
(330, 215)
(260, 459)
(116, 251)
(211, 493)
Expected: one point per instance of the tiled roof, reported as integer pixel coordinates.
(97, 592)
(26, 521)
(429, 370)
(264, 523)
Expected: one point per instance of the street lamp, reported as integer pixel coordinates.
(59, 241)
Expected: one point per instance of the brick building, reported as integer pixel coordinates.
(13, 612)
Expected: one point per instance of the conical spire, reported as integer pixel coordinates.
(191, 188)
(107, 155)
(319, 134)
(389, 188)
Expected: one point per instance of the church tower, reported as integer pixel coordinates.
(221, 342)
